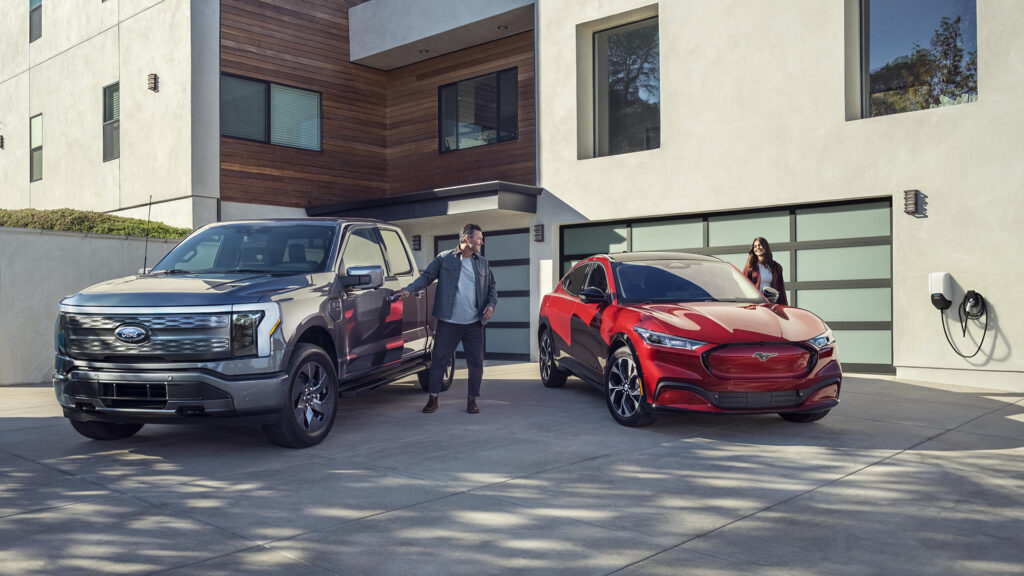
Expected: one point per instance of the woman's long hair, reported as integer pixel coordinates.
(752, 261)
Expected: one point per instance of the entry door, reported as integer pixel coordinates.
(508, 253)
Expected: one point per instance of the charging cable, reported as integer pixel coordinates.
(972, 307)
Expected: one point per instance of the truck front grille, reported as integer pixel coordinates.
(168, 337)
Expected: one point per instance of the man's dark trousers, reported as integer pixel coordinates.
(446, 340)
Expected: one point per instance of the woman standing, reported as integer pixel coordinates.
(763, 270)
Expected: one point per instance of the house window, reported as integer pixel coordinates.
(36, 148)
(920, 54)
(627, 94)
(111, 122)
(35, 20)
(269, 112)
(479, 111)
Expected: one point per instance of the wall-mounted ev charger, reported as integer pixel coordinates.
(940, 285)
(972, 307)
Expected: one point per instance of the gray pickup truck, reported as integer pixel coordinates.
(263, 321)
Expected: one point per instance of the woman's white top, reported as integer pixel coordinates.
(766, 276)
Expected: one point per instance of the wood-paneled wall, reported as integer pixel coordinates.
(305, 44)
(379, 129)
(414, 163)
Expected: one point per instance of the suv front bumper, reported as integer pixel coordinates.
(156, 396)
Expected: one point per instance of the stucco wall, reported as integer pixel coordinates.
(754, 99)
(37, 269)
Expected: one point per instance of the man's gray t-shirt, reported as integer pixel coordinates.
(465, 310)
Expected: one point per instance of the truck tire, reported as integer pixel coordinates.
(446, 380)
(311, 403)
(105, 430)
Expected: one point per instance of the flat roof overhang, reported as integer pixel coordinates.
(481, 197)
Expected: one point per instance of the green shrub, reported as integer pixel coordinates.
(68, 220)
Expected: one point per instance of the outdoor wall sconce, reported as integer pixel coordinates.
(538, 233)
(914, 203)
(154, 82)
(1, 141)
(415, 242)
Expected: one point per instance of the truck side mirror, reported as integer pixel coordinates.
(771, 294)
(363, 277)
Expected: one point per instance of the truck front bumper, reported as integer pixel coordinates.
(156, 396)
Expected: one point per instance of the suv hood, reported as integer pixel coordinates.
(724, 321)
(187, 290)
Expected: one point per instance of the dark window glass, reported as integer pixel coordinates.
(627, 88)
(35, 20)
(243, 108)
(111, 122)
(398, 259)
(573, 281)
(478, 111)
(598, 278)
(921, 54)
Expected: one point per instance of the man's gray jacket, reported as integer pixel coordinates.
(445, 268)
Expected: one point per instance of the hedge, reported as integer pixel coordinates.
(68, 220)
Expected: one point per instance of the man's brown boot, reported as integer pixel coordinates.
(431, 404)
(471, 406)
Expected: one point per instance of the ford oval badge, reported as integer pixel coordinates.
(132, 333)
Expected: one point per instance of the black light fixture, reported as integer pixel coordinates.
(1, 141)
(415, 242)
(538, 233)
(914, 203)
(154, 82)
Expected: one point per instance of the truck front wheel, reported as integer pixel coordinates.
(105, 430)
(312, 401)
(446, 379)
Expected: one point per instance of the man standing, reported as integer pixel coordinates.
(464, 302)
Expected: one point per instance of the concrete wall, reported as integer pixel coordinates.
(37, 269)
(88, 45)
(754, 101)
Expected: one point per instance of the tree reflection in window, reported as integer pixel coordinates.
(627, 94)
(923, 54)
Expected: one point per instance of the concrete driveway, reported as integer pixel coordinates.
(902, 478)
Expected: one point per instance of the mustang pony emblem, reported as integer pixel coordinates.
(764, 356)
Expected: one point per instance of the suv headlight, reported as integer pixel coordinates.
(822, 340)
(667, 340)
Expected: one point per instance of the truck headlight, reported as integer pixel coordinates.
(667, 340)
(244, 336)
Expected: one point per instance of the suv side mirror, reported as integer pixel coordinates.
(363, 277)
(771, 294)
(593, 295)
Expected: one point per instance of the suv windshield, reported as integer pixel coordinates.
(298, 248)
(683, 281)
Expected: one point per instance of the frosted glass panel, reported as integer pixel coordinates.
(739, 260)
(512, 309)
(668, 235)
(512, 277)
(450, 244)
(864, 346)
(861, 262)
(508, 340)
(849, 304)
(507, 246)
(843, 222)
(742, 229)
(595, 240)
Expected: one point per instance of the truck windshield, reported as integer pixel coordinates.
(248, 248)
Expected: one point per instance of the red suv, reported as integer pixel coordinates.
(669, 332)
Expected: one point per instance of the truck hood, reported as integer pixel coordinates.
(726, 322)
(189, 290)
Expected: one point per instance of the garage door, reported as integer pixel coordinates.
(836, 258)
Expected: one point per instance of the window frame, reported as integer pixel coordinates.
(114, 123)
(497, 110)
(267, 114)
(33, 149)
